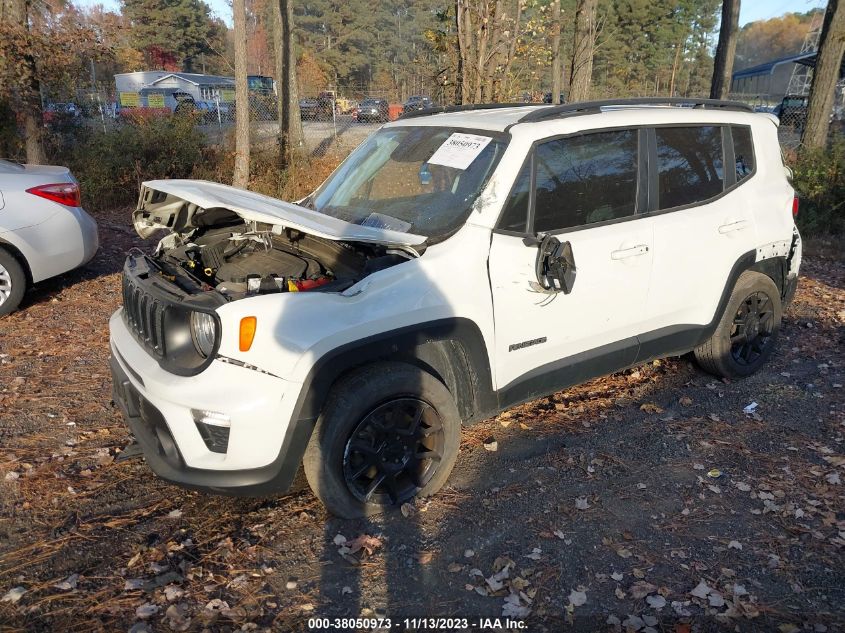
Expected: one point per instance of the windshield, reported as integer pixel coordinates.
(421, 180)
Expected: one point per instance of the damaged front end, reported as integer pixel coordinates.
(239, 244)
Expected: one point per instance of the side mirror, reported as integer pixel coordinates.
(555, 266)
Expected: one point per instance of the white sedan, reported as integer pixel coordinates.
(44, 231)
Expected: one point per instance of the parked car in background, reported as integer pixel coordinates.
(454, 265)
(66, 111)
(44, 231)
(417, 102)
(547, 98)
(792, 111)
(374, 111)
(308, 109)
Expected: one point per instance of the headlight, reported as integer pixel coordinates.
(204, 332)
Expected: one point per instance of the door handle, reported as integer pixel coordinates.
(733, 226)
(634, 251)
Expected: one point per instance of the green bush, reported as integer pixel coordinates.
(111, 166)
(819, 179)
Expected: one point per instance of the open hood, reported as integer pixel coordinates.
(174, 204)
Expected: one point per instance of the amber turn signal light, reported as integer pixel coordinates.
(248, 325)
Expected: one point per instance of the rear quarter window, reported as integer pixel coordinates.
(743, 151)
(690, 165)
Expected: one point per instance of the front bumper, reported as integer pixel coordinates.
(266, 440)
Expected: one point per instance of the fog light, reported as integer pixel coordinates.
(214, 429)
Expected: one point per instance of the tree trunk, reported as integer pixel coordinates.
(290, 126)
(481, 56)
(723, 65)
(825, 76)
(583, 49)
(556, 65)
(460, 88)
(241, 175)
(678, 48)
(506, 74)
(17, 12)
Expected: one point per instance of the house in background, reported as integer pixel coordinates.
(150, 88)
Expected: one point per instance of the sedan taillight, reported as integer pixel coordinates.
(66, 193)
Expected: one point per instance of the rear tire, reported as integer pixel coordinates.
(12, 282)
(389, 429)
(746, 334)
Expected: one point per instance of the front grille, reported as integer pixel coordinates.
(145, 317)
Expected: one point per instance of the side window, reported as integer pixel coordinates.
(689, 164)
(515, 214)
(586, 179)
(743, 151)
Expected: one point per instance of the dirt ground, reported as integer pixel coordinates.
(656, 499)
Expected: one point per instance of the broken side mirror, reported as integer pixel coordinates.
(555, 268)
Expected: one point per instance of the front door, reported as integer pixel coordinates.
(585, 192)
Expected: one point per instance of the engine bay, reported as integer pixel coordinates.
(251, 259)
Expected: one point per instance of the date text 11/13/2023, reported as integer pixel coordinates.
(417, 624)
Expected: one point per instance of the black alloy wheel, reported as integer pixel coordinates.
(394, 451)
(753, 326)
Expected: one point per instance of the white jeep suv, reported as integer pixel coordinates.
(459, 262)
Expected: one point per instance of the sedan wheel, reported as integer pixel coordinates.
(5, 285)
(12, 282)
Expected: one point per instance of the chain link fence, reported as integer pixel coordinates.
(332, 120)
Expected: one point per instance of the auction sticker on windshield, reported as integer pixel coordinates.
(459, 150)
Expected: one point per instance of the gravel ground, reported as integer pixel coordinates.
(649, 500)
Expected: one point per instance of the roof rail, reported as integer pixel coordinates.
(464, 108)
(592, 107)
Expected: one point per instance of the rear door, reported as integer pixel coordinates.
(585, 190)
(703, 224)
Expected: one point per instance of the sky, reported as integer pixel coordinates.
(750, 10)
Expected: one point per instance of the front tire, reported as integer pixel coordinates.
(746, 334)
(388, 432)
(12, 283)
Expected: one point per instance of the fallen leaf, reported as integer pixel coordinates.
(468, 553)
(743, 487)
(581, 503)
(454, 568)
(424, 558)
(174, 514)
(147, 610)
(535, 554)
(13, 595)
(69, 583)
(491, 444)
(366, 542)
(656, 602)
(716, 599)
(641, 589)
(650, 407)
(561, 535)
(577, 598)
(617, 576)
(685, 401)
(735, 545)
(701, 590)
(172, 592)
(624, 552)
